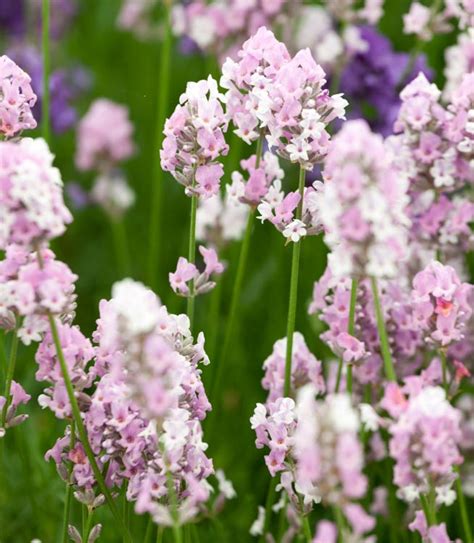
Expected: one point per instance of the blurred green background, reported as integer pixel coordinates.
(126, 70)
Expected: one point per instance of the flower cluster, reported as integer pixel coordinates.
(286, 98)
(424, 443)
(16, 99)
(143, 417)
(187, 281)
(431, 150)
(305, 369)
(194, 139)
(222, 27)
(31, 289)
(329, 456)
(102, 149)
(442, 303)
(31, 200)
(99, 147)
(362, 205)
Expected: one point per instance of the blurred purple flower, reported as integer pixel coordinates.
(65, 86)
(78, 197)
(371, 78)
(13, 16)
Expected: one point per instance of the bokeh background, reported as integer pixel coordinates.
(116, 64)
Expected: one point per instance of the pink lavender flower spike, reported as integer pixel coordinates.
(298, 111)
(442, 304)
(29, 292)
(316, 456)
(187, 274)
(99, 147)
(247, 82)
(31, 198)
(194, 139)
(362, 205)
(16, 99)
(425, 440)
(305, 368)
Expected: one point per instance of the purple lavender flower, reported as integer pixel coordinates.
(371, 79)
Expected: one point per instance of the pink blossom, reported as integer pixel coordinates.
(16, 99)
(98, 146)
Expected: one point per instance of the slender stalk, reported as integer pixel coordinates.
(159, 534)
(306, 529)
(384, 345)
(351, 328)
(121, 245)
(462, 509)
(444, 370)
(163, 87)
(430, 518)
(45, 128)
(338, 517)
(268, 508)
(9, 375)
(88, 525)
(68, 497)
(351, 331)
(339, 374)
(149, 530)
(192, 256)
(236, 291)
(295, 268)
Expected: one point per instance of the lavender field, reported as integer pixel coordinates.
(236, 271)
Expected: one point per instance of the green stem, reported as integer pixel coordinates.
(339, 518)
(430, 517)
(149, 530)
(295, 268)
(45, 130)
(88, 526)
(306, 529)
(159, 534)
(68, 497)
(268, 507)
(384, 345)
(236, 290)
(9, 376)
(121, 246)
(163, 87)
(192, 256)
(339, 374)
(462, 509)
(351, 328)
(444, 370)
